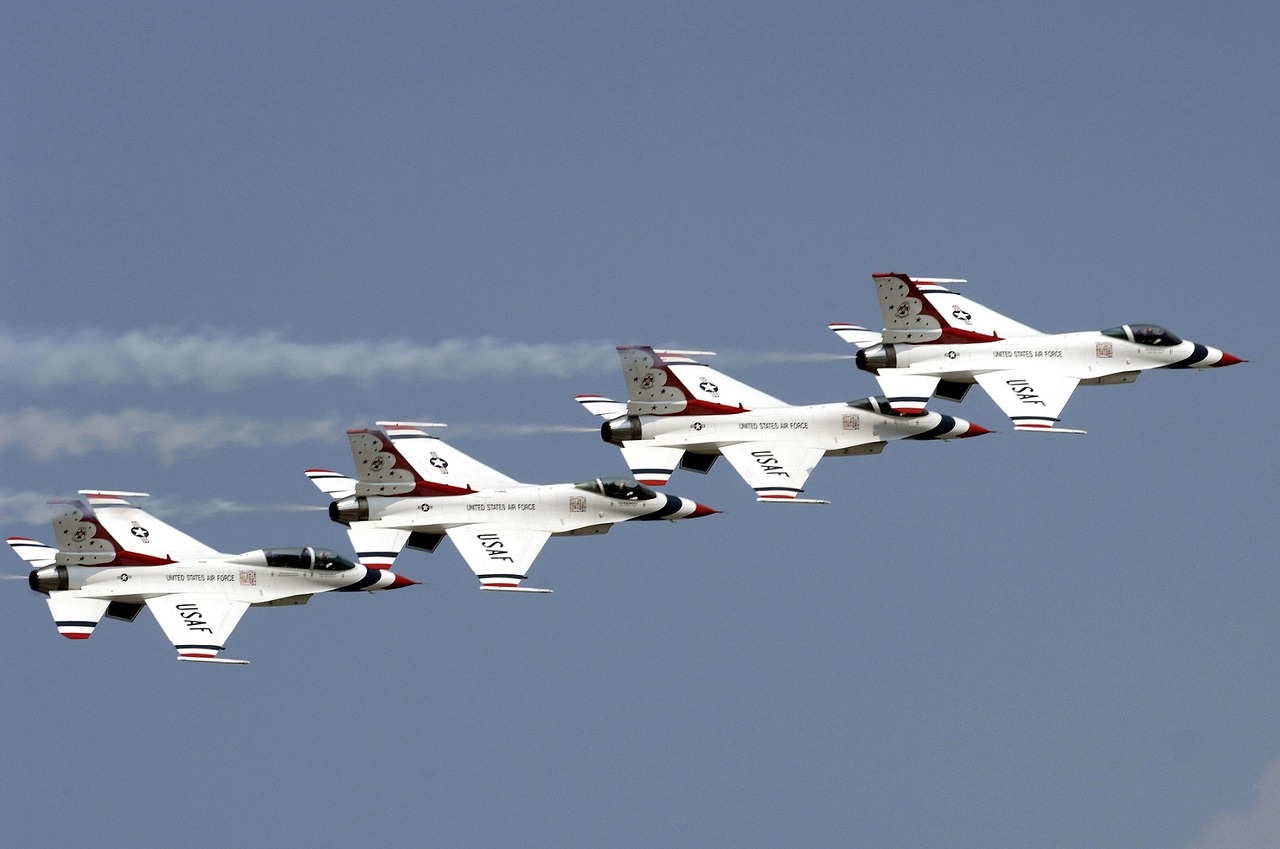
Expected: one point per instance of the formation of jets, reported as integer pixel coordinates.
(411, 489)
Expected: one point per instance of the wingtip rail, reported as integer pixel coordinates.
(226, 660)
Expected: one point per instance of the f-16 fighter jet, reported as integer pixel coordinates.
(938, 343)
(411, 488)
(683, 412)
(114, 558)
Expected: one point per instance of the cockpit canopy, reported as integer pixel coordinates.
(623, 489)
(307, 558)
(1144, 334)
(874, 404)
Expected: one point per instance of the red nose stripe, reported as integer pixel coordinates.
(1228, 360)
(974, 430)
(702, 510)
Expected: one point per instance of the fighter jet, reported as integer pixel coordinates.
(117, 558)
(412, 489)
(939, 343)
(683, 412)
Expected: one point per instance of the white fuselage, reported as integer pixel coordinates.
(836, 429)
(244, 578)
(1089, 356)
(554, 508)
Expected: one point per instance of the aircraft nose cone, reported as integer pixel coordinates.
(700, 510)
(974, 429)
(1228, 360)
(399, 581)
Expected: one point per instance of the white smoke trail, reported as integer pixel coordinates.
(221, 360)
(28, 508)
(42, 434)
(1256, 828)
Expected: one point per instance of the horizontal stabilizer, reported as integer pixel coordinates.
(598, 405)
(855, 334)
(331, 483)
(33, 551)
(495, 589)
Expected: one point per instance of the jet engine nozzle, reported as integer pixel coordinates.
(354, 508)
(50, 579)
(876, 357)
(621, 429)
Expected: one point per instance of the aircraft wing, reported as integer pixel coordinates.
(907, 393)
(500, 555)
(440, 463)
(776, 471)
(138, 531)
(198, 625)
(1031, 399)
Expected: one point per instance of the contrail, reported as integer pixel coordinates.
(42, 434)
(221, 360)
(29, 508)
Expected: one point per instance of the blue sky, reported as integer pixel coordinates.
(232, 231)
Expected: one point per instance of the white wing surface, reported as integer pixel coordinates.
(197, 625)
(439, 463)
(500, 555)
(137, 530)
(776, 471)
(1032, 400)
